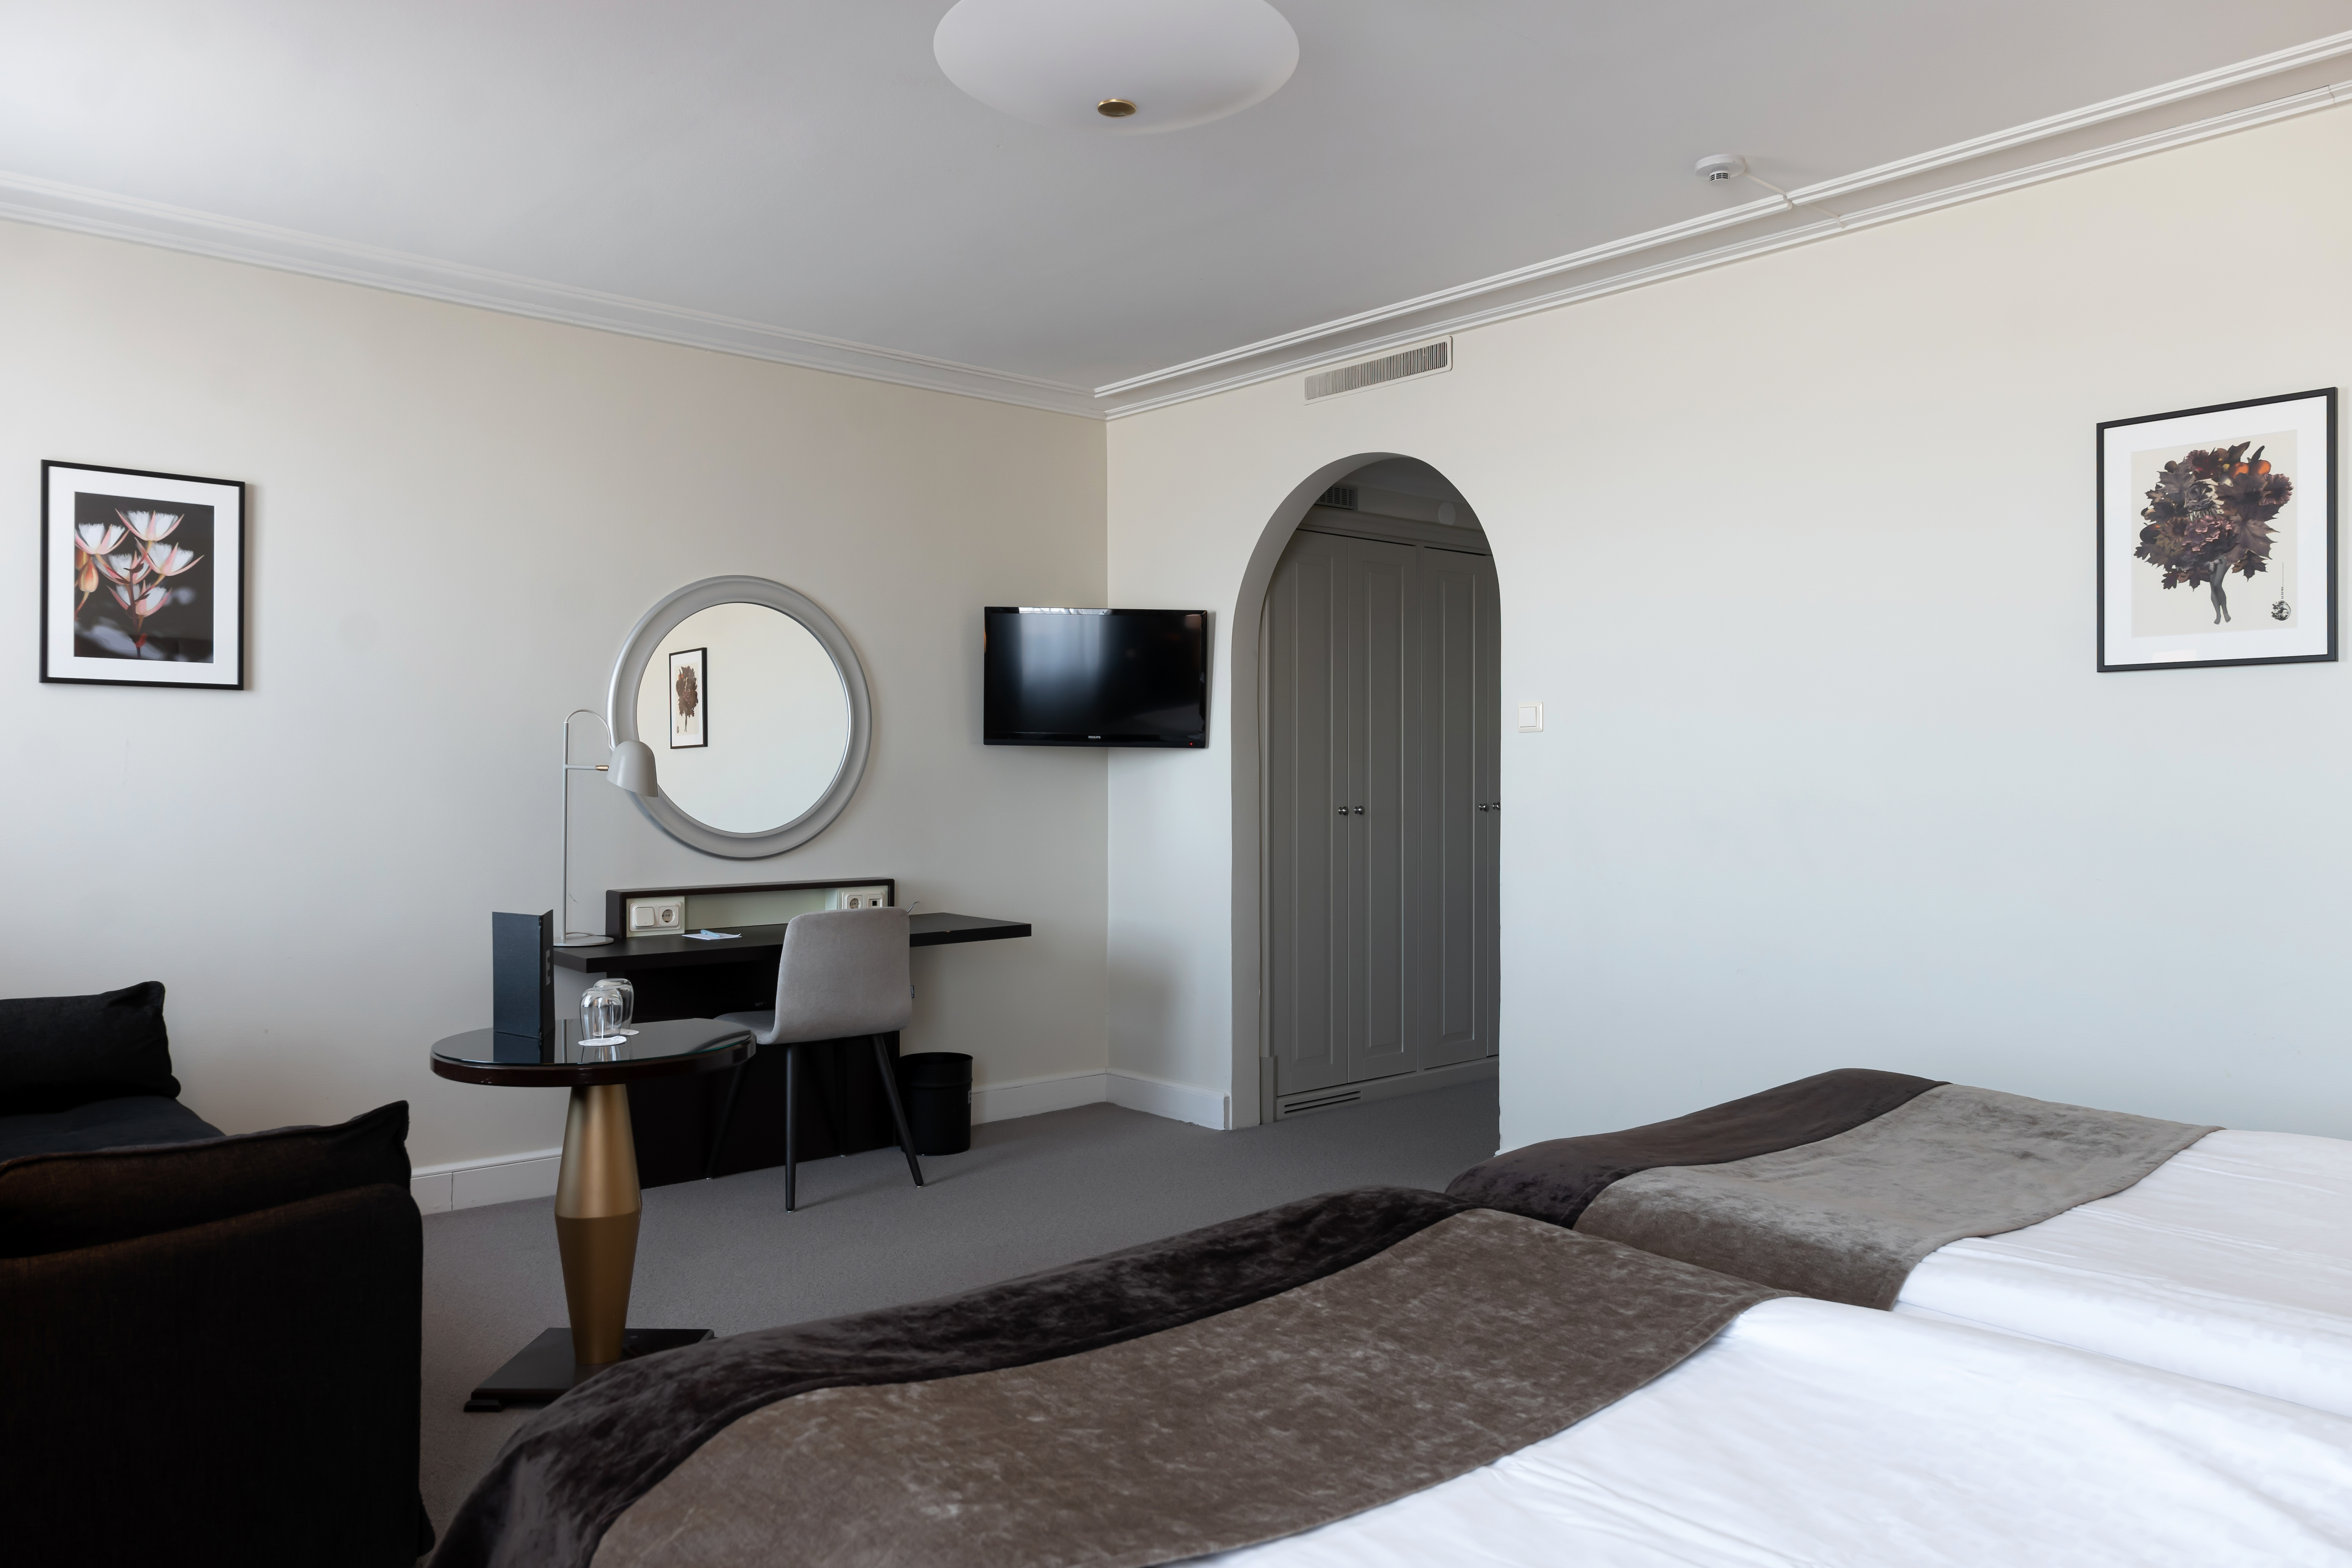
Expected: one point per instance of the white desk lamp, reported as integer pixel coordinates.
(632, 768)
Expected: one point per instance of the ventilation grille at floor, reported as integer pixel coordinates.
(1429, 357)
(1318, 1102)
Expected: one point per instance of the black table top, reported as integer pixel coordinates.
(646, 1050)
(938, 930)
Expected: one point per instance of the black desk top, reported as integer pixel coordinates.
(663, 952)
(646, 1050)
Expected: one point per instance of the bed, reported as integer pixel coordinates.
(2219, 1254)
(1393, 1375)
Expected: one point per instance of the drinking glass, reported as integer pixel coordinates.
(628, 996)
(599, 1022)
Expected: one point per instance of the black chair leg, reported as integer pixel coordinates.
(897, 1110)
(726, 1116)
(792, 1121)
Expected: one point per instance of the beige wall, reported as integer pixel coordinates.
(1797, 553)
(456, 516)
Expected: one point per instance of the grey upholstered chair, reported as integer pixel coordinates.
(842, 974)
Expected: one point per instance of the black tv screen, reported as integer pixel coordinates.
(1095, 678)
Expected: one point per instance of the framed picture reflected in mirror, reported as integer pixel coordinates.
(689, 698)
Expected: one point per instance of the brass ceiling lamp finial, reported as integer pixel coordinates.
(1115, 107)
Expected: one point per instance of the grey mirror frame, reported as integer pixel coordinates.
(628, 671)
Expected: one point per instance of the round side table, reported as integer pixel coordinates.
(597, 1201)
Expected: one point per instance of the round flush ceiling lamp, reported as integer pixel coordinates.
(1118, 67)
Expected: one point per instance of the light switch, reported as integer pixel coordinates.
(1530, 716)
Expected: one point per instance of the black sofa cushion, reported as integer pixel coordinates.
(57, 1052)
(57, 1202)
(102, 1124)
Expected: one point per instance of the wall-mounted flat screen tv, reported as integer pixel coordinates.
(1095, 678)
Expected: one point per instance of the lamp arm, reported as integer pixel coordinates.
(564, 782)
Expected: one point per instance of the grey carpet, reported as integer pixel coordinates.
(1032, 1194)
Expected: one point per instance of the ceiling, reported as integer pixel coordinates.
(804, 164)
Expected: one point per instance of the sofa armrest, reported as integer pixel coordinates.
(243, 1392)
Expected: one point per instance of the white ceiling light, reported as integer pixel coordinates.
(1120, 67)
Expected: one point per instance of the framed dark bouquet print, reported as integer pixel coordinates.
(143, 578)
(689, 698)
(2217, 535)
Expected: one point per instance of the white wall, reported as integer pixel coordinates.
(309, 865)
(1797, 553)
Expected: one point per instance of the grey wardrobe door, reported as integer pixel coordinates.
(1307, 843)
(1458, 843)
(1487, 726)
(1384, 598)
(1342, 811)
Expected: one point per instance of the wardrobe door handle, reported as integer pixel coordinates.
(1360, 811)
(1343, 811)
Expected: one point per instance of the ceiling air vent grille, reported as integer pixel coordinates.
(1429, 357)
(1343, 497)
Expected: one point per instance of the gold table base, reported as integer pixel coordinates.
(597, 1206)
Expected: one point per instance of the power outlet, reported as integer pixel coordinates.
(651, 917)
(857, 899)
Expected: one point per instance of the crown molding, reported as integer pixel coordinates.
(2219, 102)
(53, 204)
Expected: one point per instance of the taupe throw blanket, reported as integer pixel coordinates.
(587, 1461)
(1847, 1218)
(1472, 1338)
(1555, 1180)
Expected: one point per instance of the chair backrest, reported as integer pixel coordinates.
(843, 972)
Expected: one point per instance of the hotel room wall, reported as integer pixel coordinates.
(1797, 553)
(456, 516)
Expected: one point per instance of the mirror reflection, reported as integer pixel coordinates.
(747, 715)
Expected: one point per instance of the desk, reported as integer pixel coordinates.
(675, 1120)
(635, 955)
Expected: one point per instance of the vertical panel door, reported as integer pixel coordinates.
(1486, 712)
(1457, 839)
(1307, 888)
(1384, 659)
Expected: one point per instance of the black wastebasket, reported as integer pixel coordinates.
(936, 1088)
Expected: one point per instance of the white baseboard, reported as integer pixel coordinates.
(1035, 1096)
(470, 1183)
(465, 1184)
(1177, 1102)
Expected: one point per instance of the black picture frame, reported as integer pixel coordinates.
(698, 659)
(2309, 417)
(191, 573)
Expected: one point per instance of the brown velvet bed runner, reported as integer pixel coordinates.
(572, 1468)
(1461, 1343)
(1556, 1179)
(1846, 1219)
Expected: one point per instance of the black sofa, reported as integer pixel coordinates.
(212, 1344)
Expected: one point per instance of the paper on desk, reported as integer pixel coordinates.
(707, 934)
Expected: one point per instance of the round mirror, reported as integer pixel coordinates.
(755, 708)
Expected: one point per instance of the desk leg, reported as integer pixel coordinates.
(597, 1208)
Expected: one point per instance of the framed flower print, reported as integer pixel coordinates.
(143, 578)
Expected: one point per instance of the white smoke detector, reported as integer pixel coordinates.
(1117, 67)
(1721, 168)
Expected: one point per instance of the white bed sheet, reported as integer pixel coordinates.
(2232, 1261)
(1813, 1433)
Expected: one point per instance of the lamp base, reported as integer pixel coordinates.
(578, 939)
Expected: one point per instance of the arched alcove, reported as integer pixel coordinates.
(1253, 1089)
